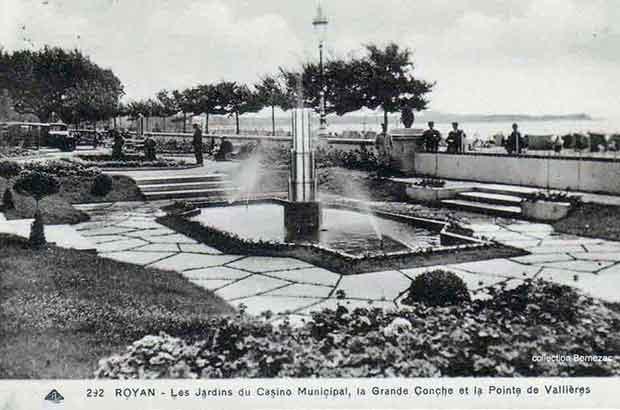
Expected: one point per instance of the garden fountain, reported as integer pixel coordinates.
(346, 239)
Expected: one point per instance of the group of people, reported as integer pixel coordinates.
(223, 153)
(515, 143)
(454, 141)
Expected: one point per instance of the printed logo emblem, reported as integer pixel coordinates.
(54, 397)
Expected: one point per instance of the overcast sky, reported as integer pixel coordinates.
(487, 56)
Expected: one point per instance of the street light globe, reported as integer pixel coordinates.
(320, 23)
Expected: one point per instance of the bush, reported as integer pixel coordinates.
(540, 300)
(37, 231)
(359, 159)
(102, 185)
(9, 169)
(477, 338)
(437, 288)
(7, 199)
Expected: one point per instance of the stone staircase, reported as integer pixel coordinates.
(500, 201)
(187, 187)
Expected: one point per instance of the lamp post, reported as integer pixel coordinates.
(320, 26)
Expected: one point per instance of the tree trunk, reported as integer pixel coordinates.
(273, 120)
(206, 123)
(385, 119)
(237, 122)
(184, 121)
(164, 118)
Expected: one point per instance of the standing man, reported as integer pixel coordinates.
(383, 145)
(431, 138)
(515, 142)
(197, 143)
(455, 139)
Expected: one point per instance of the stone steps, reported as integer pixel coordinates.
(490, 198)
(506, 190)
(485, 208)
(186, 187)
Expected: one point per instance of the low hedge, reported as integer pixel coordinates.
(497, 337)
(129, 161)
(63, 168)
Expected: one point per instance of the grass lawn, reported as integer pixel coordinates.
(62, 310)
(592, 220)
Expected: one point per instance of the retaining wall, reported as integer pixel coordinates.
(588, 175)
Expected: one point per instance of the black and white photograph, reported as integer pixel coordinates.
(394, 190)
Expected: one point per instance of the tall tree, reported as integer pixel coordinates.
(56, 80)
(186, 101)
(272, 93)
(237, 99)
(169, 105)
(388, 80)
(209, 101)
(343, 87)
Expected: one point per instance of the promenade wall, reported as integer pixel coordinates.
(600, 175)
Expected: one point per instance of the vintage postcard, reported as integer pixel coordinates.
(309, 204)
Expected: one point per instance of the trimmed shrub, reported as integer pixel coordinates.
(102, 185)
(9, 169)
(37, 231)
(36, 184)
(437, 288)
(7, 199)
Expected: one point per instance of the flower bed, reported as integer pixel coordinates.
(431, 194)
(431, 190)
(56, 167)
(128, 161)
(64, 168)
(548, 207)
(16, 152)
(496, 337)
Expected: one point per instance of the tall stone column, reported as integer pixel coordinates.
(302, 212)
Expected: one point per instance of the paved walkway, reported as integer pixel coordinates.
(127, 232)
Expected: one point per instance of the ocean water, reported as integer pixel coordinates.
(482, 129)
(485, 130)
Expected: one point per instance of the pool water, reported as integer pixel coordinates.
(347, 231)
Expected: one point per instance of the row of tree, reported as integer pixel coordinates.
(67, 83)
(56, 81)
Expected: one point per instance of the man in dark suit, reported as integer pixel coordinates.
(197, 143)
(515, 142)
(431, 138)
(455, 139)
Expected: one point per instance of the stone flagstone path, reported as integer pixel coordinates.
(128, 232)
